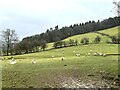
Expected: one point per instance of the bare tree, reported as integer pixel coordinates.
(117, 7)
(9, 38)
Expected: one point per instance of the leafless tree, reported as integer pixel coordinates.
(9, 38)
(117, 7)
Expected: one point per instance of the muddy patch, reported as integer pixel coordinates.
(75, 83)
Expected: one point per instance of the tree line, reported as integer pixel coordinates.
(39, 42)
(84, 40)
(56, 34)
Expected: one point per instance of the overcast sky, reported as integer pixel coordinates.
(29, 17)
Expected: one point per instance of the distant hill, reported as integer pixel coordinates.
(56, 33)
(89, 29)
(104, 34)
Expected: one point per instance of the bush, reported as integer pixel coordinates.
(43, 45)
(85, 40)
(71, 42)
(76, 42)
(58, 44)
(97, 39)
(115, 39)
(108, 42)
(65, 44)
(55, 45)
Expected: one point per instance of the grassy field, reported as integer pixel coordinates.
(53, 72)
(50, 71)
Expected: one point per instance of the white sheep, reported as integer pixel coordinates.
(95, 54)
(100, 54)
(73, 51)
(52, 56)
(77, 54)
(104, 55)
(12, 59)
(13, 62)
(33, 62)
(88, 53)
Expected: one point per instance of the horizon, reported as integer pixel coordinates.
(37, 16)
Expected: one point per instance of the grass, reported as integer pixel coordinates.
(51, 72)
(71, 72)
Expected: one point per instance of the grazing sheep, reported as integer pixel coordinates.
(88, 53)
(12, 59)
(77, 54)
(100, 54)
(104, 55)
(52, 56)
(95, 54)
(13, 62)
(73, 51)
(33, 62)
(62, 58)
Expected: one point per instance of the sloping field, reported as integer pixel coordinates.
(92, 35)
(70, 67)
(74, 71)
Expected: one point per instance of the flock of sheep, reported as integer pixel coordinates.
(13, 61)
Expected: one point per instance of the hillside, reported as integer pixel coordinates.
(70, 67)
(50, 71)
(92, 35)
(89, 29)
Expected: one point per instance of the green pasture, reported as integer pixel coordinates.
(51, 72)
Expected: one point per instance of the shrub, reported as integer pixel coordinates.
(58, 44)
(71, 42)
(76, 42)
(55, 45)
(85, 40)
(115, 39)
(65, 44)
(97, 39)
(43, 45)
